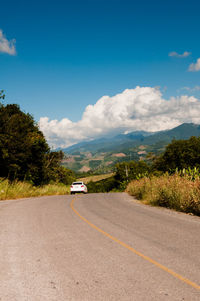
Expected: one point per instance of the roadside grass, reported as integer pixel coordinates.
(171, 191)
(18, 190)
(95, 178)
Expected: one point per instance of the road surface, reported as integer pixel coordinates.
(97, 247)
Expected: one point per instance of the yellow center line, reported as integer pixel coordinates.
(162, 267)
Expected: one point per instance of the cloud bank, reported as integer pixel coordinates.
(195, 66)
(142, 108)
(174, 53)
(7, 46)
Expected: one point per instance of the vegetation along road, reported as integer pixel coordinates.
(97, 247)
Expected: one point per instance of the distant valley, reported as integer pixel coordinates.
(102, 154)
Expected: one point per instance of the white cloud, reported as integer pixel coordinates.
(7, 46)
(185, 54)
(195, 66)
(142, 108)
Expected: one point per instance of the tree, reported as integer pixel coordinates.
(22, 146)
(179, 154)
(24, 152)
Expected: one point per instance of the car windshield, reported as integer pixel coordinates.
(77, 183)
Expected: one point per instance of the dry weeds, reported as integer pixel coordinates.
(176, 192)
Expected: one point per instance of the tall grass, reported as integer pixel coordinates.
(18, 189)
(175, 191)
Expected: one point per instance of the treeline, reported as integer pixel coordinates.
(24, 152)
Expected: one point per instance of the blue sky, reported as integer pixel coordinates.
(71, 53)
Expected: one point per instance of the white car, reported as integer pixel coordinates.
(78, 187)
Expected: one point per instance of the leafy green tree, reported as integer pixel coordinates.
(24, 152)
(22, 146)
(179, 154)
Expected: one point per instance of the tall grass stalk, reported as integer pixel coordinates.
(18, 189)
(175, 191)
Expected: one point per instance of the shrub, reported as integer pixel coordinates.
(104, 185)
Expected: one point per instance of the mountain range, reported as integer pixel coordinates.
(103, 153)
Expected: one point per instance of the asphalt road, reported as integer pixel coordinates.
(97, 247)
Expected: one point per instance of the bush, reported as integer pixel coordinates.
(104, 185)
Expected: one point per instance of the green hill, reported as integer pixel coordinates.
(102, 154)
